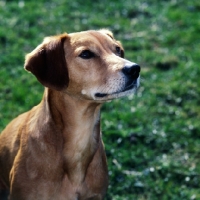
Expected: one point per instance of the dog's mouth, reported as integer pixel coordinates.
(131, 87)
(100, 95)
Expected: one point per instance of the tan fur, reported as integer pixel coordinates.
(55, 150)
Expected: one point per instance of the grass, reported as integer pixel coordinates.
(152, 139)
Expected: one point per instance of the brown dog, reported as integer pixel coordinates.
(55, 151)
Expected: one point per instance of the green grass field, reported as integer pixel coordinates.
(152, 139)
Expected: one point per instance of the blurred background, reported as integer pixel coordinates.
(152, 139)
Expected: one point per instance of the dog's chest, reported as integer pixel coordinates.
(81, 191)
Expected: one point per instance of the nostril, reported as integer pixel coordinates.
(132, 71)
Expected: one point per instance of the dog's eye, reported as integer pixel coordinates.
(87, 54)
(118, 50)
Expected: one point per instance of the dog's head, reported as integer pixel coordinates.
(88, 65)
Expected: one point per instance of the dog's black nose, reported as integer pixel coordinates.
(132, 71)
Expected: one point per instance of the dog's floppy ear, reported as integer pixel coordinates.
(47, 62)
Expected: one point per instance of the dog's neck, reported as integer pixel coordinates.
(79, 123)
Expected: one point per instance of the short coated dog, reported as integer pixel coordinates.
(55, 150)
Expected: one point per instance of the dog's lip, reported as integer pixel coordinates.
(129, 87)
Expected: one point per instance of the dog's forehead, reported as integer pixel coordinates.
(90, 37)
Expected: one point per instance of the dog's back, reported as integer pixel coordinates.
(9, 146)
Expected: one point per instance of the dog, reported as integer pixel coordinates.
(55, 151)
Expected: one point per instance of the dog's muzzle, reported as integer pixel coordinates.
(131, 73)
